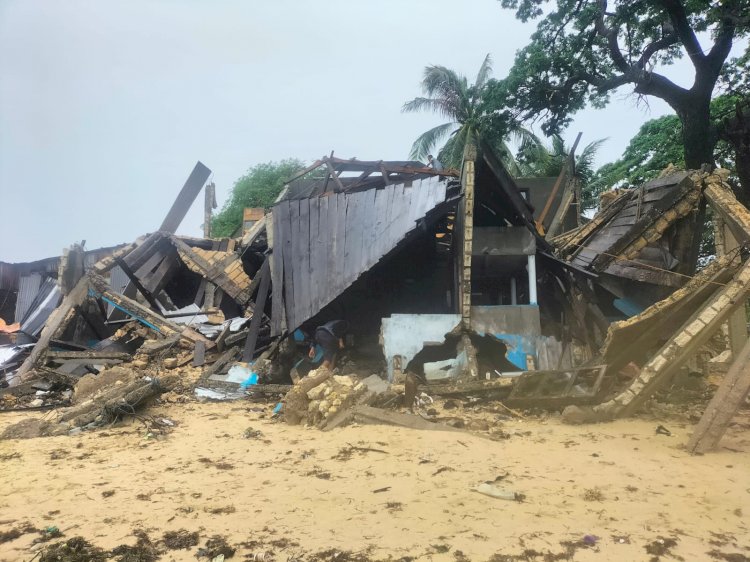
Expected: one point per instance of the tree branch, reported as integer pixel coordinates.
(648, 52)
(655, 84)
(678, 16)
(610, 34)
(723, 43)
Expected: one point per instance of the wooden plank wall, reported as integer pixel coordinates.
(323, 244)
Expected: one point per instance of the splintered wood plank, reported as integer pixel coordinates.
(105, 264)
(285, 222)
(402, 220)
(199, 354)
(185, 199)
(303, 258)
(368, 226)
(137, 284)
(324, 239)
(295, 263)
(374, 245)
(336, 218)
(317, 254)
(395, 205)
(423, 200)
(260, 304)
(151, 263)
(163, 274)
(142, 253)
(352, 254)
(277, 269)
(414, 192)
(727, 401)
(342, 210)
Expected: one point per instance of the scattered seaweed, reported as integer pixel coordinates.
(593, 495)
(143, 550)
(660, 547)
(76, 549)
(216, 546)
(182, 539)
(13, 534)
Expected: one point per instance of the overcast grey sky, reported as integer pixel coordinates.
(105, 106)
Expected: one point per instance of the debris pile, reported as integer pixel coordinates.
(145, 318)
(453, 286)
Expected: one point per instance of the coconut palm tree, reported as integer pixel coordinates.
(450, 95)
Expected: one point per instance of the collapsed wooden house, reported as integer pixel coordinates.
(472, 280)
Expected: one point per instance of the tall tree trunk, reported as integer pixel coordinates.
(697, 134)
(736, 131)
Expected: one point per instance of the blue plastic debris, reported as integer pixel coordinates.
(250, 381)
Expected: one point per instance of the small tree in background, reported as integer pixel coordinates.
(259, 187)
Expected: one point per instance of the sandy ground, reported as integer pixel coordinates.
(295, 491)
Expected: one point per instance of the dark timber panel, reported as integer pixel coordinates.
(324, 244)
(648, 198)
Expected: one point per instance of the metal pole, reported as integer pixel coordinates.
(532, 279)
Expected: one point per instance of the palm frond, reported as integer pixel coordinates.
(484, 72)
(451, 155)
(420, 104)
(427, 141)
(439, 81)
(520, 134)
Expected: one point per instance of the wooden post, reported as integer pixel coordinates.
(209, 204)
(468, 176)
(260, 303)
(724, 405)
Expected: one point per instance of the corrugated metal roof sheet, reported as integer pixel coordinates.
(28, 288)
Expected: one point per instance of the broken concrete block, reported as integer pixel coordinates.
(170, 363)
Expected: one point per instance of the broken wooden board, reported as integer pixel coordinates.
(554, 389)
(370, 415)
(105, 264)
(727, 401)
(134, 309)
(268, 388)
(199, 354)
(87, 355)
(468, 387)
(55, 324)
(153, 347)
(185, 198)
(255, 231)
